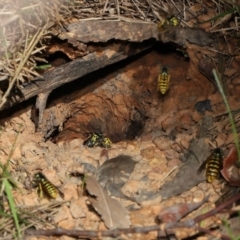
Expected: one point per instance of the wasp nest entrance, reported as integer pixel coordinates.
(127, 103)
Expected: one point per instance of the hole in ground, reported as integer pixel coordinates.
(123, 102)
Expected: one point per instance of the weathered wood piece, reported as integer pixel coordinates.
(73, 70)
(80, 67)
(76, 69)
(103, 31)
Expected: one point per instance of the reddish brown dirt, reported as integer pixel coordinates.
(109, 105)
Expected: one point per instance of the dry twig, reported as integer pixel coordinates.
(162, 228)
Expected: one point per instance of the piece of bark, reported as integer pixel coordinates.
(80, 67)
(40, 105)
(103, 31)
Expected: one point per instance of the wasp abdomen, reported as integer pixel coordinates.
(50, 189)
(163, 80)
(45, 187)
(213, 167)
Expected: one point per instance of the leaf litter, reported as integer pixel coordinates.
(151, 168)
(147, 159)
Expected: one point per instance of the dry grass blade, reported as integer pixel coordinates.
(30, 216)
(59, 12)
(26, 54)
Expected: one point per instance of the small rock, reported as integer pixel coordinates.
(203, 106)
(156, 161)
(130, 147)
(131, 186)
(176, 147)
(75, 143)
(162, 142)
(198, 196)
(168, 124)
(196, 117)
(229, 72)
(26, 200)
(186, 121)
(146, 138)
(78, 208)
(64, 218)
(70, 191)
(92, 221)
(62, 214)
(156, 209)
(188, 196)
(171, 154)
(149, 152)
(173, 162)
(185, 142)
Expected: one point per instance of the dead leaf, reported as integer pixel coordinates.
(114, 173)
(230, 171)
(180, 36)
(176, 212)
(205, 67)
(230, 72)
(112, 212)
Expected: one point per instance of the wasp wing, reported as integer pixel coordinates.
(202, 166)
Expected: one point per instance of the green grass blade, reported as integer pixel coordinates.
(7, 183)
(8, 191)
(232, 10)
(43, 67)
(6, 174)
(229, 113)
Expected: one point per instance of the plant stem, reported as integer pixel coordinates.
(229, 113)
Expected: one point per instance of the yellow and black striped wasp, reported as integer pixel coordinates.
(168, 23)
(212, 165)
(94, 140)
(163, 80)
(106, 143)
(44, 187)
(97, 139)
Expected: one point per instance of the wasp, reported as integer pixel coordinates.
(97, 139)
(45, 188)
(94, 140)
(212, 165)
(106, 143)
(163, 80)
(169, 22)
